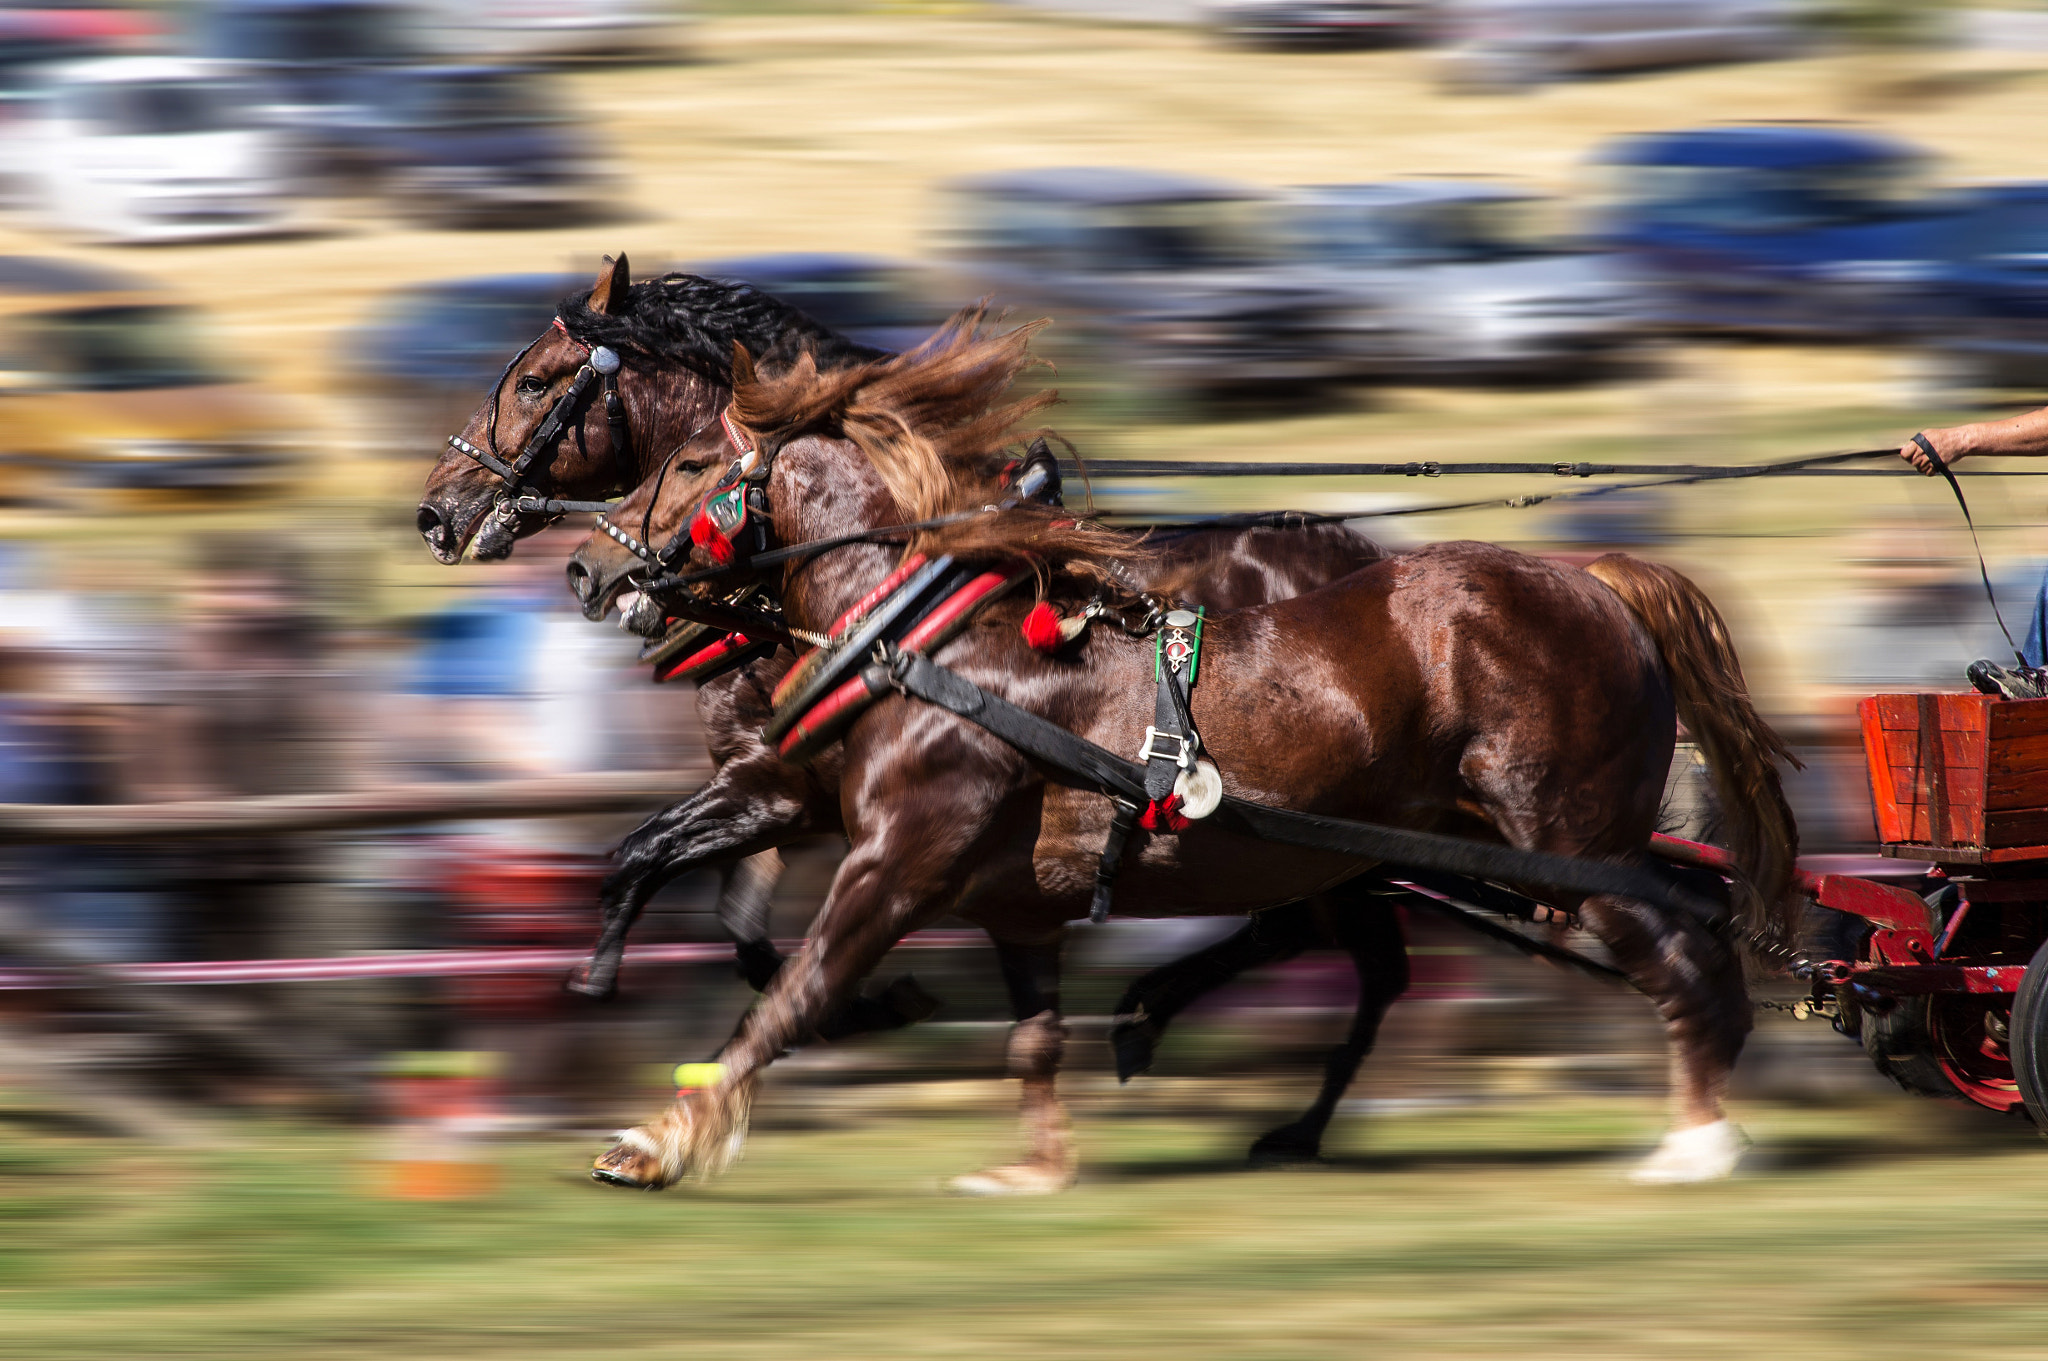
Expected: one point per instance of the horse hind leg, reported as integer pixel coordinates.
(1037, 1042)
(1367, 927)
(1693, 974)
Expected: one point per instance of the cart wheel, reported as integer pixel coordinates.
(2030, 1038)
(1900, 1043)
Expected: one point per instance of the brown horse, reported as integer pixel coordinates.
(678, 332)
(757, 801)
(674, 336)
(1458, 688)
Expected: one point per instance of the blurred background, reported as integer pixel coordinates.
(259, 257)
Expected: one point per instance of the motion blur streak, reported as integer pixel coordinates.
(259, 257)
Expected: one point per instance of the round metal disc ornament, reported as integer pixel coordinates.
(1200, 789)
(605, 360)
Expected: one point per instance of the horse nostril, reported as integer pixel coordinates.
(582, 585)
(431, 524)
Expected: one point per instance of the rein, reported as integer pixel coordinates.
(1948, 475)
(799, 552)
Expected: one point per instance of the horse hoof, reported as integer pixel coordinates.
(1702, 1153)
(583, 984)
(628, 1164)
(1018, 1179)
(1280, 1149)
(1132, 1042)
(604, 1176)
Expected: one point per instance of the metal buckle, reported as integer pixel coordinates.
(1185, 758)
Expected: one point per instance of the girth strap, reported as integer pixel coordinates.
(1085, 762)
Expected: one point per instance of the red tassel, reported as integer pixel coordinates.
(1041, 628)
(1164, 815)
(706, 536)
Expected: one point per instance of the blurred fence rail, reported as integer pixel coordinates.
(391, 806)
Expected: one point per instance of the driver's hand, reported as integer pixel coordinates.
(1947, 443)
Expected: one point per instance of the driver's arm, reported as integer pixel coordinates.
(2025, 435)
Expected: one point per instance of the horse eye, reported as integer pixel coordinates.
(530, 386)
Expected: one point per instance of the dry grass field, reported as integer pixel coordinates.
(1880, 1232)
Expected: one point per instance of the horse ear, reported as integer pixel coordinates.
(742, 365)
(608, 295)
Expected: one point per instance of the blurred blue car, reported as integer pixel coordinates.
(1794, 230)
(1991, 294)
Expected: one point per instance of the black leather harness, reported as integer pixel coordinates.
(1123, 780)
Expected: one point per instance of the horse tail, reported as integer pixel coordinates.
(1741, 750)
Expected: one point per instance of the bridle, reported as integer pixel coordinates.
(519, 496)
(733, 524)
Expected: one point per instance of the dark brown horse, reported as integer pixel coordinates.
(674, 336)
(1459, 688)
(758, 801)
(677, 333)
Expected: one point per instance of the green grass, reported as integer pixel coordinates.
(1869, 1232)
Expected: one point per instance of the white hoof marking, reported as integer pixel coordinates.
(1702, 1153)
(1022, 1179)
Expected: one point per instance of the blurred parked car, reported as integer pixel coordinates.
(482, 146)
(883, 303)
(1782, 229)
(430, 351)
(153, 149)
(110, 393)
(1989, 295)
(325, 68)
(1495, 43)
(1291, 23)
(1170, 285)
(1457, 278)
(522, 30)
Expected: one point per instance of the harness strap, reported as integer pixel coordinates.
(1176, 651)
(1123, 818)
(1083, 761)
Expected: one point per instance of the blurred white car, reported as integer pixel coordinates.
(153, 149)
(547, 30)
(1508, 43)
(1456, 278)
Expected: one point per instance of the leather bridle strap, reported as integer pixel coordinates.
(798, 551)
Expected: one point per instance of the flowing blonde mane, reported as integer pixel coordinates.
(938, 424)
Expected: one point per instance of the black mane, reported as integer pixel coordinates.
(693, 321)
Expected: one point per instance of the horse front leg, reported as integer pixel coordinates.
(729, 817)
(886, 886)
(1149, 1005)
(1031, 972)
(1366, 926)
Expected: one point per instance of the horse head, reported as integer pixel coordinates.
(581, 413)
